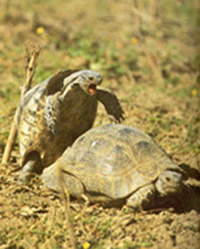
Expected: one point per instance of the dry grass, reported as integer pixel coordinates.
(147, 52)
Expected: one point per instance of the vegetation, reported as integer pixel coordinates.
(148, 53)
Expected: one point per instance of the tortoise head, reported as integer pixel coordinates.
(87, 80)
(169, 183)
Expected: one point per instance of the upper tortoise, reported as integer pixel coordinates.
(116, 164)
(57, 111)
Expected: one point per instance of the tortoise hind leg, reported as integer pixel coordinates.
(143, 198)
(31, 165)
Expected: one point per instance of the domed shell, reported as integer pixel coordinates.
(115, 160)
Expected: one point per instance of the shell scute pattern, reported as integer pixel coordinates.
(114, 158)
(119, 164)
(118, 155)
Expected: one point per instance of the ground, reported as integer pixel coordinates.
(147, 52)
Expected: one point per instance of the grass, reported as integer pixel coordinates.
(148, 55)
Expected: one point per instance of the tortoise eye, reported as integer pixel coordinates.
(91, 77)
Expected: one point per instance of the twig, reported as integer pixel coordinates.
(30, 69)
(66, 200)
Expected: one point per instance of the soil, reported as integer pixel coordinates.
(147, 52)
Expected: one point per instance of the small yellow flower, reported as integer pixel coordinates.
(134, 40)
(39, 30)
(86, 245)
(194, 92)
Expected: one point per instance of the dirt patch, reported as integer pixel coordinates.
(147, 54)
(32, 216)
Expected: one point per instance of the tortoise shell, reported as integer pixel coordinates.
(114, 160)
(57, 111)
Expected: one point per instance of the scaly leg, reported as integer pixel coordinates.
(31, 165)
(142, 198)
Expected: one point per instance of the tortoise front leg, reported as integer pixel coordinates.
(111, 103)
(142, 198)
(31, 165)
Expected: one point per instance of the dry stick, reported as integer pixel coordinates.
(66, 199)
(13, 131)
(30, 70)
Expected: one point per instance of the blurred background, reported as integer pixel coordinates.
(147, 51)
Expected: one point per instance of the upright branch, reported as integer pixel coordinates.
(66, 200)
(30, 69)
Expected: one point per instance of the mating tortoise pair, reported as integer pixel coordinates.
(112, 164)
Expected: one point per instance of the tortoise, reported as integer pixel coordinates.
(57, 111)
(115, 165)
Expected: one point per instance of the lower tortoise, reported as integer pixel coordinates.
(115, 164)
(57, 111)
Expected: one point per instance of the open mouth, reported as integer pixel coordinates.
(92, 89)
